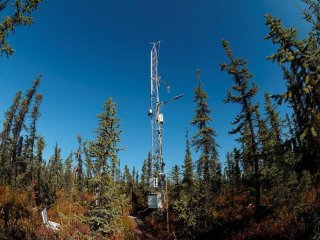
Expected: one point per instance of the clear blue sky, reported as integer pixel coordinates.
(88, 51)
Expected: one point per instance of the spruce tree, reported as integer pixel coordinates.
(215, 173)
(150, 172)
(204, 140)
(265, 143)
(25, 162)
(105, 148)
(56, 169)
(188, 176)
(68, 174)
(143, 175)
(6, 141)
(137, 177)
(205, 144)
(273, 153)
(245, 121)
(39, 159)
(89, 167)
(230, 175)
(134, 174)
(105, 215)
(273, 118)
(175, 175)
(269, 159)
(38, 173)
(35, 114)
(18, 124)
(144, 178)
(175, 181)
(79, 169)
(146, 171)
(237, 170)
(128, 179)
(232, 171)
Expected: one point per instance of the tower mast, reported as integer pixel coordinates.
(156, 116)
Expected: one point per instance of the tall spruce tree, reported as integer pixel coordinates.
(79, 168)
(204, 140)
(106, 210)
(18, 124)
(188, 176)
(6, 141)
(35, 114)
(245, 121)
(39, 159)
(38, 165)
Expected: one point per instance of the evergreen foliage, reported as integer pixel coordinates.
(188, 175)
(5, 146)
(245, 120)
(55, 168)
(276, 164)
(105, 215)
(104, 148)
(299, 61)
(68, 174)
(79, 169)
(21, 16)
(204, 140)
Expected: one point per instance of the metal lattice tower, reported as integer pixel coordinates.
(156, 116)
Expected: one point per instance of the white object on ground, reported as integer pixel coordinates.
(49, 224)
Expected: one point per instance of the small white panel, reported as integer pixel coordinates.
(155, 201)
